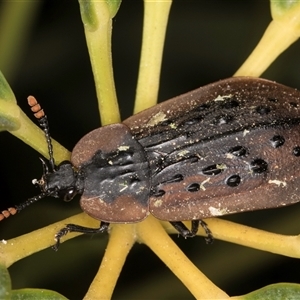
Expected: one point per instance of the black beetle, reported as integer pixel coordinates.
(227, 147)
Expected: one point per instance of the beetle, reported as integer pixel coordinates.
(228, 147)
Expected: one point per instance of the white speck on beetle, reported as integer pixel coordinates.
(125, 186)
(222, 98)
(245, 132)
(278, 182)
(4, 242)
(217, 211)
(230, 156)
(123, 148)
(159, 117)
(202, 187)
(221, 166)
(158, 203)
(183, 153)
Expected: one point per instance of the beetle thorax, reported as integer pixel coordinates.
(64, 182)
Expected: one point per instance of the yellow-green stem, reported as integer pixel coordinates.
(250, 237)
(280, 34)
(27, 244)
(156, 15)
(164, 247)
(98, 38)
(121, 239)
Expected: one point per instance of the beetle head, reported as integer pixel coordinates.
(62, 182)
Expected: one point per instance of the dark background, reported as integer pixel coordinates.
(206, 41)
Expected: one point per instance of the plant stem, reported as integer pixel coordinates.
(97, 22)
(155, 23)
(164, 247)
(280, 34)
(121, 240)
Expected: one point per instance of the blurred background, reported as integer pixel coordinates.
(206, 41)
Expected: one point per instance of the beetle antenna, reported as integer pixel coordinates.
(8, 212)
(45, 167)
(13, 210)
(43, 122)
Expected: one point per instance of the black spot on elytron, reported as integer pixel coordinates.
(258, 166)
(191, 121)
(165, 123)
(263, 110)
(193, 187)
(238, 151)
(212, 170)
(296, 151)
(277, 141)
(225, 119)
(273, 100)
(233, 180)
(158, 193)
(175, 178)
(294, 104)
(230, 104)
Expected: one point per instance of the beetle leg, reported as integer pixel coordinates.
(77, 228)
(210, 238)
(185, 232)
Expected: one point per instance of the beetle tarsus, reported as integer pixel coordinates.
(77, 228)
(209, 239)
(187, 233)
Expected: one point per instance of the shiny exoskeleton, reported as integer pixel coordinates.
(227, 147)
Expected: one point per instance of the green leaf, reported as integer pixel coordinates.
(6, 94)
(5, 283)
(9, 110)
(23, 294)
(36, 294)
(279, 291)
(9, 116)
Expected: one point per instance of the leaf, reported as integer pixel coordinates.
(5, 283)
(23, 294)
(9, 110)
(279, 291)
(36, 294)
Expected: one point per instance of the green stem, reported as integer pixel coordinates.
(97, 22)
(280, 34)
(121, 240)
(155, 23)
(164, 247)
